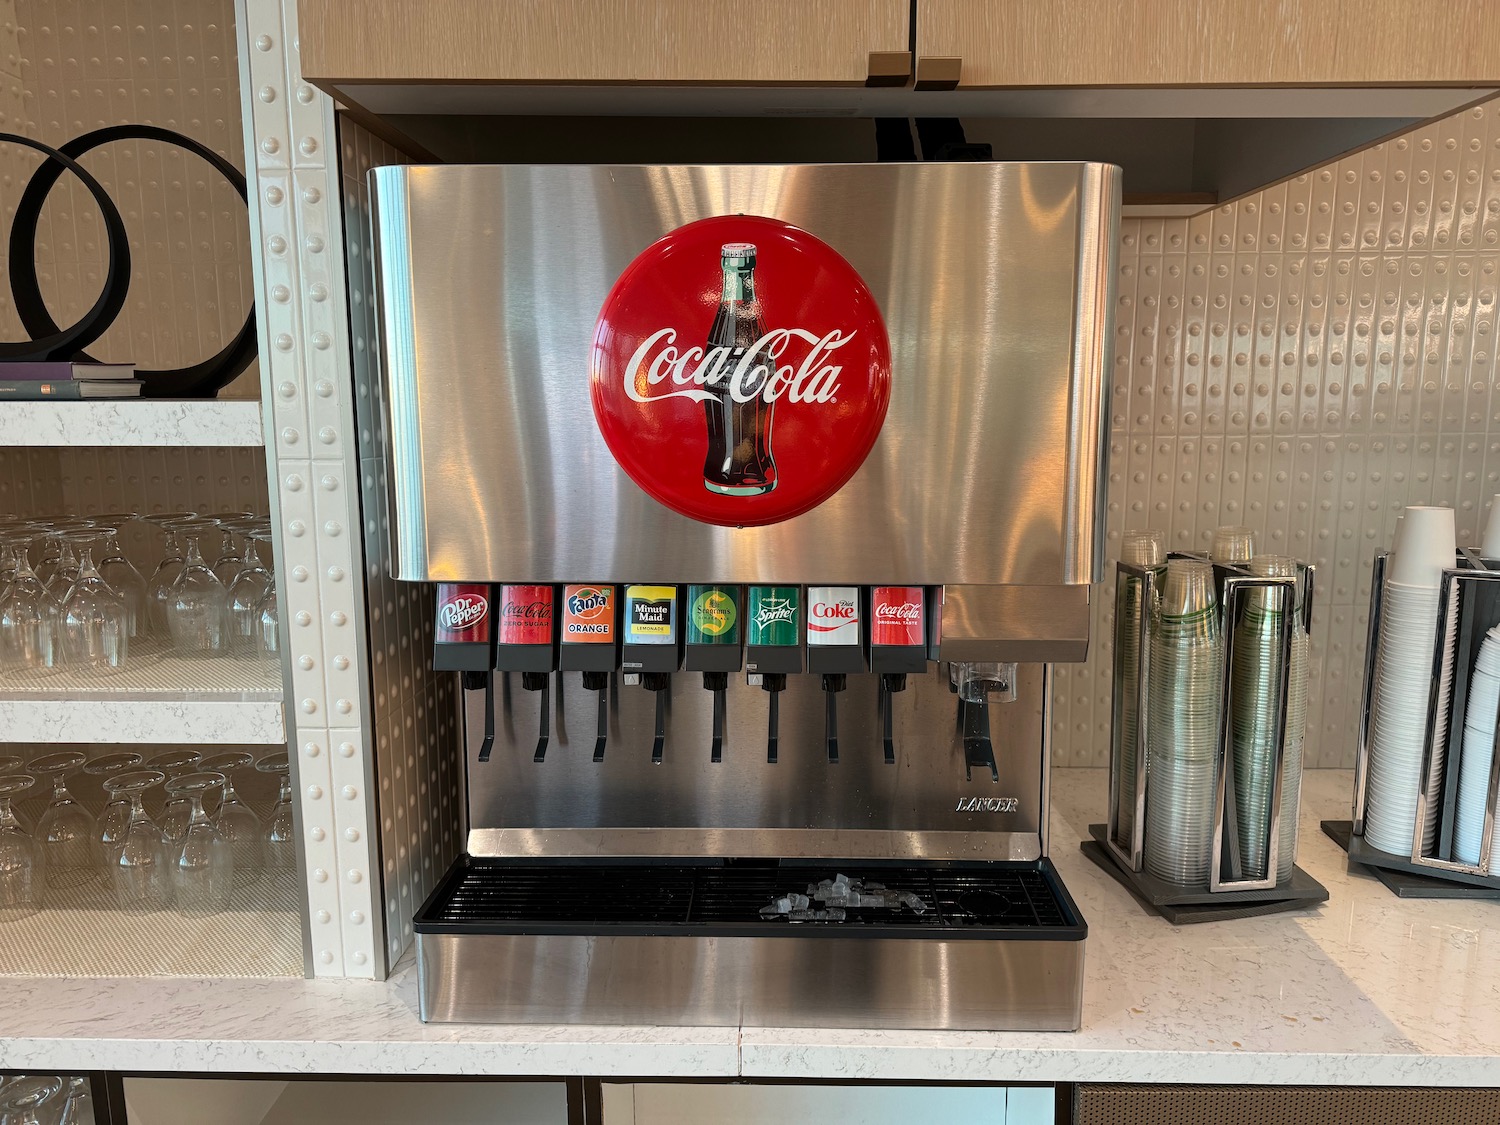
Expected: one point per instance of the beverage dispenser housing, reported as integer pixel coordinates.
(775, 381)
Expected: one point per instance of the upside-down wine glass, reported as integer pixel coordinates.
(67, 832)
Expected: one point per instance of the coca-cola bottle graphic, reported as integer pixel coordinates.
(739, 460)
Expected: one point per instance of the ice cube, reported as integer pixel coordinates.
(835, 915)
(875, 902)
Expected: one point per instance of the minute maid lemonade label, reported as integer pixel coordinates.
(713, 615)
(651, 615)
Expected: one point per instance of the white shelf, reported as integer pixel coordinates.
(131, 422)
(155, 699)
(81, 932)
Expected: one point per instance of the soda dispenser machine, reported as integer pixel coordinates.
(760, 502)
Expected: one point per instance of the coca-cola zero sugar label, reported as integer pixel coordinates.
(588, 614)
(463, 613)
(897, 616)
(740, 370)
(525, 615)
(833, 615)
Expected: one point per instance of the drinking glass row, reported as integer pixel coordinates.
(45, 1099)
(183, 856)
(70, 598)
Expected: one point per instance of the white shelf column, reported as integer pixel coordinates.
(312, 461)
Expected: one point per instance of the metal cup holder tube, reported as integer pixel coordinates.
(1130, 854)
(1234, 584)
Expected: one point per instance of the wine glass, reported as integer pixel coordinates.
(159, 585)
(95, 620)
(141, 870)
(228, 561)
(175, 813)
(236, 820)
(270, 623)
(195, 603)
(68, 832)
(33, 1100)
(116, 813)
(29, 621)
(23, 878)
(64, 565)
(281, 831)
(78, 1108)
(203, 859)
(246, 592)
(124, 579)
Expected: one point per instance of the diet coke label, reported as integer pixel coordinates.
(688, 393)
(525, 615)
(897, 616)
(463, 614)
(833, 615)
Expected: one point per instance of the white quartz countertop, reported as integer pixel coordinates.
(1367, 989)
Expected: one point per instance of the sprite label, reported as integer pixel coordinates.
(775, 615)
(713, 615)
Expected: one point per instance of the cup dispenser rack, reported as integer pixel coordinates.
(1120, 845)
(1474, 583)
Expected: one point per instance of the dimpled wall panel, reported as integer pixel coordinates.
(71, 66)
(1306, 361)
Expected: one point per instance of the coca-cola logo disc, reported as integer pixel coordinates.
(740, 371)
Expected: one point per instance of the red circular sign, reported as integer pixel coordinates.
(740, 371)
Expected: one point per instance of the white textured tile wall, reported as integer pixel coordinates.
(1306, 361)
(71, 66)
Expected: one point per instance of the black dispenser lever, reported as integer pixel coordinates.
(832, 685)
(775, 684)
(718, 683)
(541, 681)
(471, 681)
(599, 682)
(658, 682)
(978, 749)
(890, 684)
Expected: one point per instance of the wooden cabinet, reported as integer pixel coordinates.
(1008, 43)
(767, 42)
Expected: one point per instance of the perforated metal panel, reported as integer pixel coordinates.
(1306, 362)
(1281, 1105)
(415, 710)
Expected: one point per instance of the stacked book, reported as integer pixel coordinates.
(51, 379)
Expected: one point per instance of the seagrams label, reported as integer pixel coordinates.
(714, 617)
(651, 615)
(588, 615)
(833, 615)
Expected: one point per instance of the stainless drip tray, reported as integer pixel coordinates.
(988, 900)
(942, 945)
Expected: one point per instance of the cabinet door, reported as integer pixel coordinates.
(1209, 42)
(796, 42)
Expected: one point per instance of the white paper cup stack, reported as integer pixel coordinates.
(1426, 542)
(1478, 752)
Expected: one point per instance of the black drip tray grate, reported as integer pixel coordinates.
(737, 899)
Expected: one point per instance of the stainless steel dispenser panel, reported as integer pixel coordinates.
(994, 281)
(923, 806)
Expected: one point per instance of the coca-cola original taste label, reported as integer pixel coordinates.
(740, 371)
(525, 615)
(897, 616)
